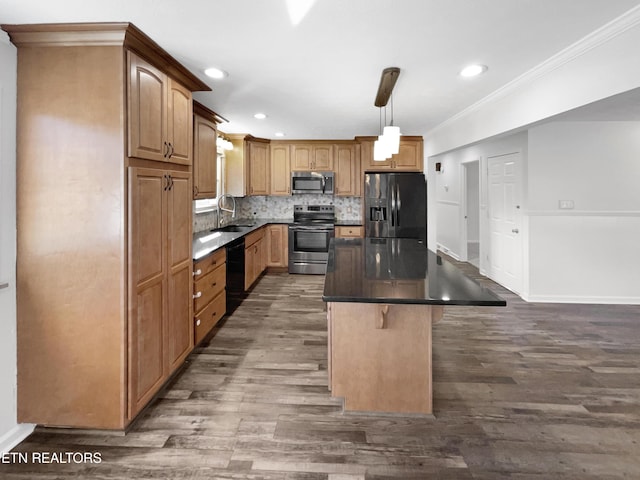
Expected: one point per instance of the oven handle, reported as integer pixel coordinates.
(307, 228)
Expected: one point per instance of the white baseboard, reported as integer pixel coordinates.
(14, 436)
(444, 249)
(583, 300)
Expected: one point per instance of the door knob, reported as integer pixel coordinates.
(515, 230)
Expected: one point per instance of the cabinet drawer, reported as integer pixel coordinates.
(209, 263)
(348, 232)
(209, 316)
(253, 237)
(209, 286)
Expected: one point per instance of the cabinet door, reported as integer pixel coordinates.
(280, 170)
(147, 97)
(205, 157)
(323, 157)
(276, 251)
(148, 285)
(347, 171)
(179, 329)
(301, 157)
(409, 156)
(258, 168)
(249, 259)
(179, 124)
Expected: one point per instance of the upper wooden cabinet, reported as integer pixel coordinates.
(312, 156)
(258, 166)
(409, 157)
(347, 162)
(117, 288)
(205, 153)
(280, 169)
(248, 166)
(160, 114)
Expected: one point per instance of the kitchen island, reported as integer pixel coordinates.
(383, 296)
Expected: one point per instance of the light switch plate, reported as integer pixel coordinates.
(565, 204)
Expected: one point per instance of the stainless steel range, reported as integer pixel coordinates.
(309, 237)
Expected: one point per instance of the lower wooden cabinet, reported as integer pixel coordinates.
(254, 257)
(352, 231)
(277, 246)
(160, 326)
(209, 292)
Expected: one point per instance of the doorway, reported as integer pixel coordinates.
(470, 227)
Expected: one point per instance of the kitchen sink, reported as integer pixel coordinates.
(233, 228)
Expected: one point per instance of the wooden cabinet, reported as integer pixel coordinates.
(258, 166)
(102, 303)
(160, 330)
(254, 257)
(277, 246)
(312, 156)
(351, 231)
(160, 114)
(209, 292)
(205, 154)
(280, 169)
(347, 162)
(408, 159)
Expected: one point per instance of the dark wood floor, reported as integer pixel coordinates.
(530, 391)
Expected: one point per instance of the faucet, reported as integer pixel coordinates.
(221, 208)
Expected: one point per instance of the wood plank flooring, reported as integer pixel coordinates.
(526, 392)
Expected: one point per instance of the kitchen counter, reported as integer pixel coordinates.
(383, 296)
(397, 270)
(208, 241)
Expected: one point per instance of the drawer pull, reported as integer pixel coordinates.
(197, 295)
(198, 322)
(215, 262)
(197, 272)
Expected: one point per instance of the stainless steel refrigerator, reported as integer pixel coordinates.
(395, 205)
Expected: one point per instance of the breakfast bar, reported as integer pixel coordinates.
(383, 296)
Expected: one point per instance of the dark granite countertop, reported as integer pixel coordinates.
(209, 241)
(397, 270)
(348, 223)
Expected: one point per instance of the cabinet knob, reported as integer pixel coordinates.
(197, 295)
(197, 272)
(198, 322)
(214, 284)
(214, 314)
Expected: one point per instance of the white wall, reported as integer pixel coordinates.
(591, 253)
(601, 65)
(10, 432)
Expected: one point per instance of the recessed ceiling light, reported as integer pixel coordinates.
(260, 116)
(279, 134)
(215, 73)
(473, 70)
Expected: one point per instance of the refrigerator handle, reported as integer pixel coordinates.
(398, 205)
(393, 204)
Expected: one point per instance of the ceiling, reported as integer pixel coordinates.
(313, 66)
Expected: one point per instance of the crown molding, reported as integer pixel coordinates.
(593, 40)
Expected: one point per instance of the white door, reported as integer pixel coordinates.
(505, 245)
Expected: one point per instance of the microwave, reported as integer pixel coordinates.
(312, 182)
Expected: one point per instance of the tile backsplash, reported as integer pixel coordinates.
(347, 208)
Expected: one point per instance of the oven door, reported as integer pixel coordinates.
(309, 248)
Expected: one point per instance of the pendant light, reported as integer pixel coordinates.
(388, 142)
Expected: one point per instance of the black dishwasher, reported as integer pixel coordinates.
(235, 274)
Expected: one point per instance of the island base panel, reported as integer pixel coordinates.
(380, 356)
